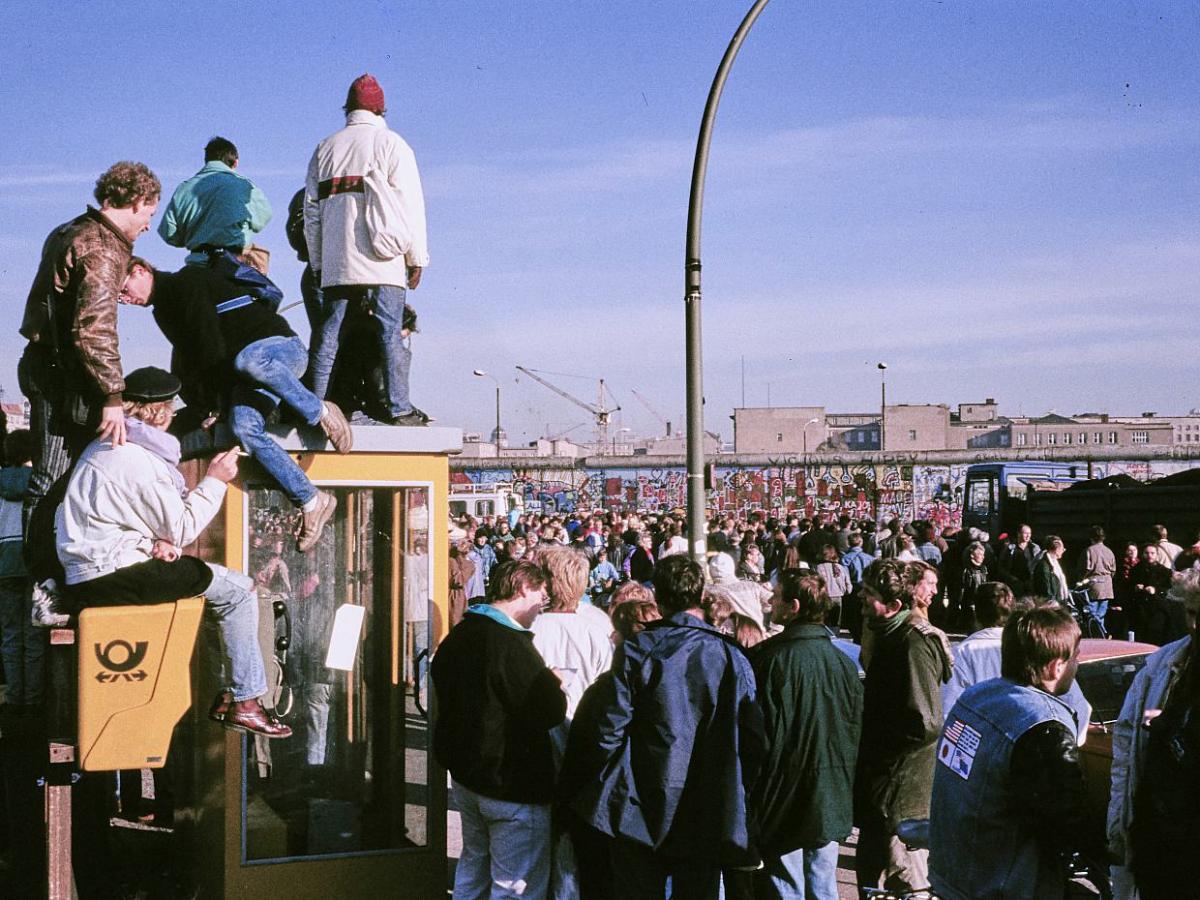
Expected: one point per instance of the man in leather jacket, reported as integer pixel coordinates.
(71, 368)
(1009, 803)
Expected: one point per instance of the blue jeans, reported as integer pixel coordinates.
(809, 873)
(386, 302)
(22, 646)
(1099, 609)
(314, 300)
(276, 364)
(505, 847)
(232, 605)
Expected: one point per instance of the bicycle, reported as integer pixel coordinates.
(1081, 607)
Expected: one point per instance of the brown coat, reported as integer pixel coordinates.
(72, 306)
(461, 570)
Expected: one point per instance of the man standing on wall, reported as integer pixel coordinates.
(71, 369)
(364, 221)
(217, 209)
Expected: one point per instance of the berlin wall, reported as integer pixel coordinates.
(929, 489)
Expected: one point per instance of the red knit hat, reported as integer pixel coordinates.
(365, 93)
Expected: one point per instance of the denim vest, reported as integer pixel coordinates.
(977, 846)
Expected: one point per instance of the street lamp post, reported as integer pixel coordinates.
(479, 373)
(805, 436)
(697, 533)
(882, 405)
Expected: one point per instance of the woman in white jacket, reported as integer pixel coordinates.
(125, 515)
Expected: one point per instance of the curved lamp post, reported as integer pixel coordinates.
(479, 373)
(697, 531)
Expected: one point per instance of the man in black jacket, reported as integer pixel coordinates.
(811, 699)
(232, 348)
(497, 703)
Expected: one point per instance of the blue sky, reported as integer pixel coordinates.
(998, 199)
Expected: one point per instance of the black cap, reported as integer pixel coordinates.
(150, 384)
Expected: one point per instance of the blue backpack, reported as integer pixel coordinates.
(254, 282)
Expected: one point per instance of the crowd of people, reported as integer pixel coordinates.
(622, 721)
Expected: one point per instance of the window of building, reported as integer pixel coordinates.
(1037, 438)
(912, 434)
(1022, 439)
(1097, 437)
(1067, 437)
(779, 437)
(1052, 438)
(1112, 437)
(1140, 437)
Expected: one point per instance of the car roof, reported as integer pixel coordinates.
(1091, 649)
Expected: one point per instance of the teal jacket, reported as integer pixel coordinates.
(215, 207)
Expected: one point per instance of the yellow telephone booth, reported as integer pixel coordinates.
(353, 804)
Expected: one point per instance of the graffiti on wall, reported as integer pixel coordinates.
(823, 491)
(820, 491)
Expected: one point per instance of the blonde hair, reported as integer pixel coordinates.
(630, 591)
(566, 576)
(157, 413)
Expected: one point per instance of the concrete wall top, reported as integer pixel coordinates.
(367, 439)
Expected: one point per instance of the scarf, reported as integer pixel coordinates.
(161, 444)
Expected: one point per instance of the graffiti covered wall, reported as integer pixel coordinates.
(908, 492)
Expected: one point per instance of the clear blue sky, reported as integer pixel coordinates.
(998, 199)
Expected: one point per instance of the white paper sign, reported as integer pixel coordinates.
(343, 643)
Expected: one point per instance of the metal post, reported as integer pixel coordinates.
(497, 420)
(697, 532)
(882, 405)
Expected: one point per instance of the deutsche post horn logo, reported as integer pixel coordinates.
(120, 658)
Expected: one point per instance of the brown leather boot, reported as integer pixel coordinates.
(250, 717)
(220, 706)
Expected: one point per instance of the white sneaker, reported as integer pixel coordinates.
(47, 606)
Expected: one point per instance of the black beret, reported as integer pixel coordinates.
(150, 384)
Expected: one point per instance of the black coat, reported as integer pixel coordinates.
(496, 702)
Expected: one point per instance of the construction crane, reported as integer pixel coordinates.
(599, 410)
(654, 412)
(666, 423)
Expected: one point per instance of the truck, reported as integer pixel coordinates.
(479, 500)
(1060, 498)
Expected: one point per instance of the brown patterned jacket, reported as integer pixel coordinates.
(72, 306)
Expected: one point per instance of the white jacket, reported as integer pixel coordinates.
(335, 227)
(119, 500)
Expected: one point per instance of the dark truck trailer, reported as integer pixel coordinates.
(1057, 498)
(1127, 509)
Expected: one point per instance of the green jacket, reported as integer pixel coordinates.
(812, 699)
(216, 207)
(902, 719)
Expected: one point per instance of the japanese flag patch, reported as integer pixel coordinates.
(957, 748)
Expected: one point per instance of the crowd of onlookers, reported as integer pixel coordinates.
(620, 720)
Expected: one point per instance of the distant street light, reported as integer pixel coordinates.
(479, 373)
(882, 405)
(811, 421)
